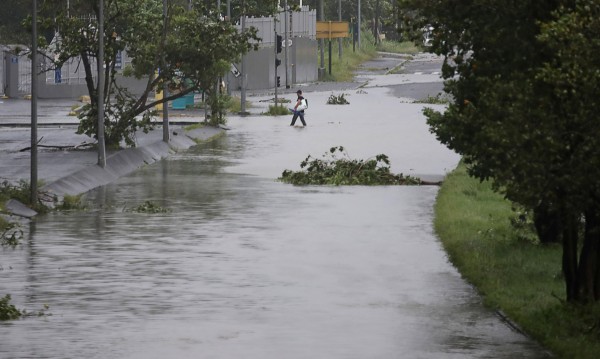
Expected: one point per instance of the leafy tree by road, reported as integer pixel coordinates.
(525, 81)
(195, 44)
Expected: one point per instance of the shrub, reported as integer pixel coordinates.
(344, 171)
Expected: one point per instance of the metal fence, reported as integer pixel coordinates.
(24, 74)
(300, 24)
(71, 73)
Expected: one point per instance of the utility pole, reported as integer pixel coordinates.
(166, 134)
(100, 94)
(34, 94)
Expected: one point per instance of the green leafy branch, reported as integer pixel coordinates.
(337, 168)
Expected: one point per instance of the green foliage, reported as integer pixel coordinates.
(11, 30)
(339, 171)
(337, 100)
(149, 207)
(434, 100)
(191, 47)
(405, 47)
(521, 278)
(7, 310)
(234, 105)
(277, 110)
(343, 69)
(218, 105)
(22, 193)
(10, 234)
(120, 123)
(70, 203)
(525, 83)
(522, 224)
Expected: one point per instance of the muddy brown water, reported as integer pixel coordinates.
(243, 266)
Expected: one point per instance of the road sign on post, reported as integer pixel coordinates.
(332, 29)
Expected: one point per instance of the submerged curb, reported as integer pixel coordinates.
(125, 162)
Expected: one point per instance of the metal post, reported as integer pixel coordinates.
(340, 19)
(321, 41)
(244, 77)
(100, 93)
(34, 94)
(358, 20)
(228, 19)
(285, 41)
(275, 49)
(330, 56)
(166, 132)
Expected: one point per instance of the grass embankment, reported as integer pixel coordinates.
(342, 70)
(405, 47)
(520, 278)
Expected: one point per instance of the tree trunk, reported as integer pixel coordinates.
(546, 224)
(569, 258)
(89, 78)
(588, 259)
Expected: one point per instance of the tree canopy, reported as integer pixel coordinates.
(524, 77)
(191, 47)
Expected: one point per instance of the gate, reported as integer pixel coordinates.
(24, 75)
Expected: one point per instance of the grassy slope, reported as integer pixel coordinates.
(520, 278)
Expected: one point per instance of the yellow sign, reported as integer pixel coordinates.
(332, 29)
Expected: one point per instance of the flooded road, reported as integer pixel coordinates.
(243, 266)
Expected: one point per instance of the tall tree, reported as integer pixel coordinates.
(198, 48)
(524, 78)
(12, 15)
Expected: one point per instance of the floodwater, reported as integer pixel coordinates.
(243, 266)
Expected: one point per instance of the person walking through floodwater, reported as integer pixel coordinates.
(298, 110)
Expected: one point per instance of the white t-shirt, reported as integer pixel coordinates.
(302, 105)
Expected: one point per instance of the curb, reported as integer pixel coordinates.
(125, 162)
